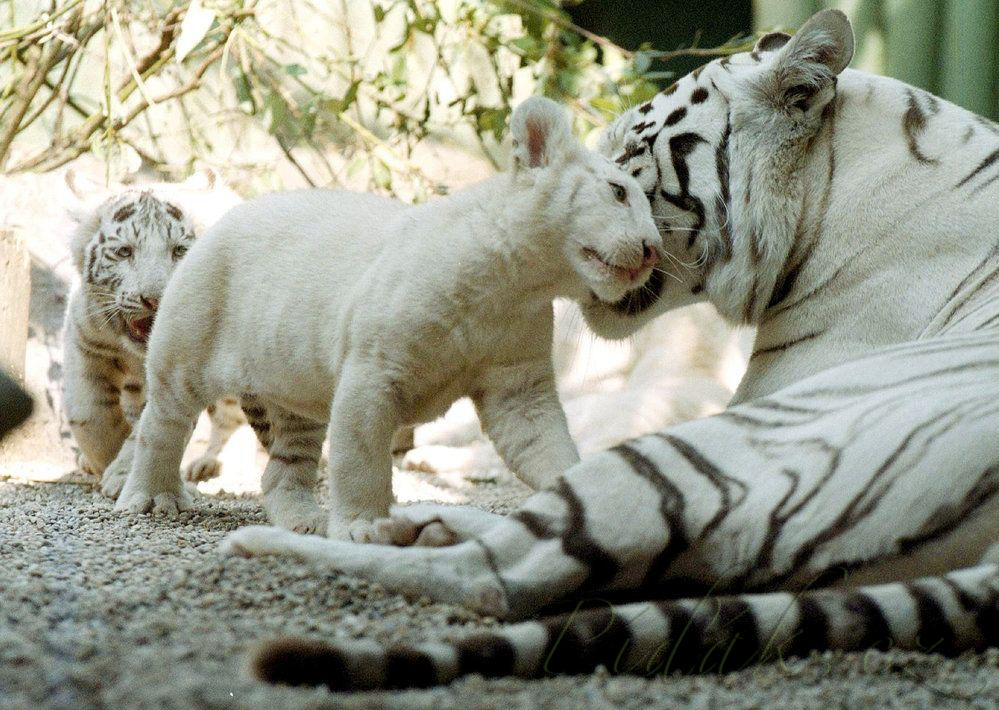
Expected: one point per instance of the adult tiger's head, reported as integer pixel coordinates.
(126, 247)
(717, 154)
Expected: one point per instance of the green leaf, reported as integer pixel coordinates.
(294, 69)
(491, 120)
(527, 47)
(398, 72)
(243, 90)
(277, 111)
(381, 174)
(351, 95)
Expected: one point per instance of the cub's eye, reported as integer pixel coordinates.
(179, 251)
(123, 252)
(620, 194)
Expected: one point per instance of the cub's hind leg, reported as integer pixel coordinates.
(154, 482)
(226, 417)
(289, 482)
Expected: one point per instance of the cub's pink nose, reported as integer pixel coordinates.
(650, 255)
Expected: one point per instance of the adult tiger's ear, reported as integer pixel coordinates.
(541, 134)
(802, 75)
(771, 41)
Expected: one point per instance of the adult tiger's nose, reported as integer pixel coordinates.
(150, 302)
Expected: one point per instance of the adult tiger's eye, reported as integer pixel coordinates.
(123, 252)
(179, 251)
(620, 194)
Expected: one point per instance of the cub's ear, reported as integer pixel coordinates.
(802, 74)
(541, 134)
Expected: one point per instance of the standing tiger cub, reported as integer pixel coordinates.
(323, 306)
(125, 249)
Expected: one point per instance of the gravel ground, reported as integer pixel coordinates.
(101, 610)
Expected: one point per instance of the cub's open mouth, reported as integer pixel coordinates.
(138, 328)
(631, 273)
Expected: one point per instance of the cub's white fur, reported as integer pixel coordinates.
(391, 313)
(125, 247)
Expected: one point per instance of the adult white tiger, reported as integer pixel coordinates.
(125, 247)
(852, 218)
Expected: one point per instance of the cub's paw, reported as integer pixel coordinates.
(84, 466)
(296, 511)
(253, 541)
(435, 525)
(358, 530)
(405, 532)
(168, 503)
(204, 468)
(304, 522)
(368, 531)
(114, 480)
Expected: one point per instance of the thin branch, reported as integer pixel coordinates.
(293, 161)
(556, 18)
(38, 69)
(81, 143)
(23, 32)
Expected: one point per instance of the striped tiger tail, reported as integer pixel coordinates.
(947, 615)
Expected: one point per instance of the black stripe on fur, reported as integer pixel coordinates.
(298, 661)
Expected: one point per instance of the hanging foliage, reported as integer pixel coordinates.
(342, 89)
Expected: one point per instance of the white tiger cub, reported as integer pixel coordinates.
(125, 247)
(853, 218)
(390, 312)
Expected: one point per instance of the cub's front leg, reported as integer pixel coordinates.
(521, 413)
(363, 420)
(92, 397)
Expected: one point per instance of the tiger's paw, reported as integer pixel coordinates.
(254, 541)
(407, 532)
(84, 466)
(359, 530)
(169, 503)
(434, 524)
(203, 468)
(113, 480)
(295, 510)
